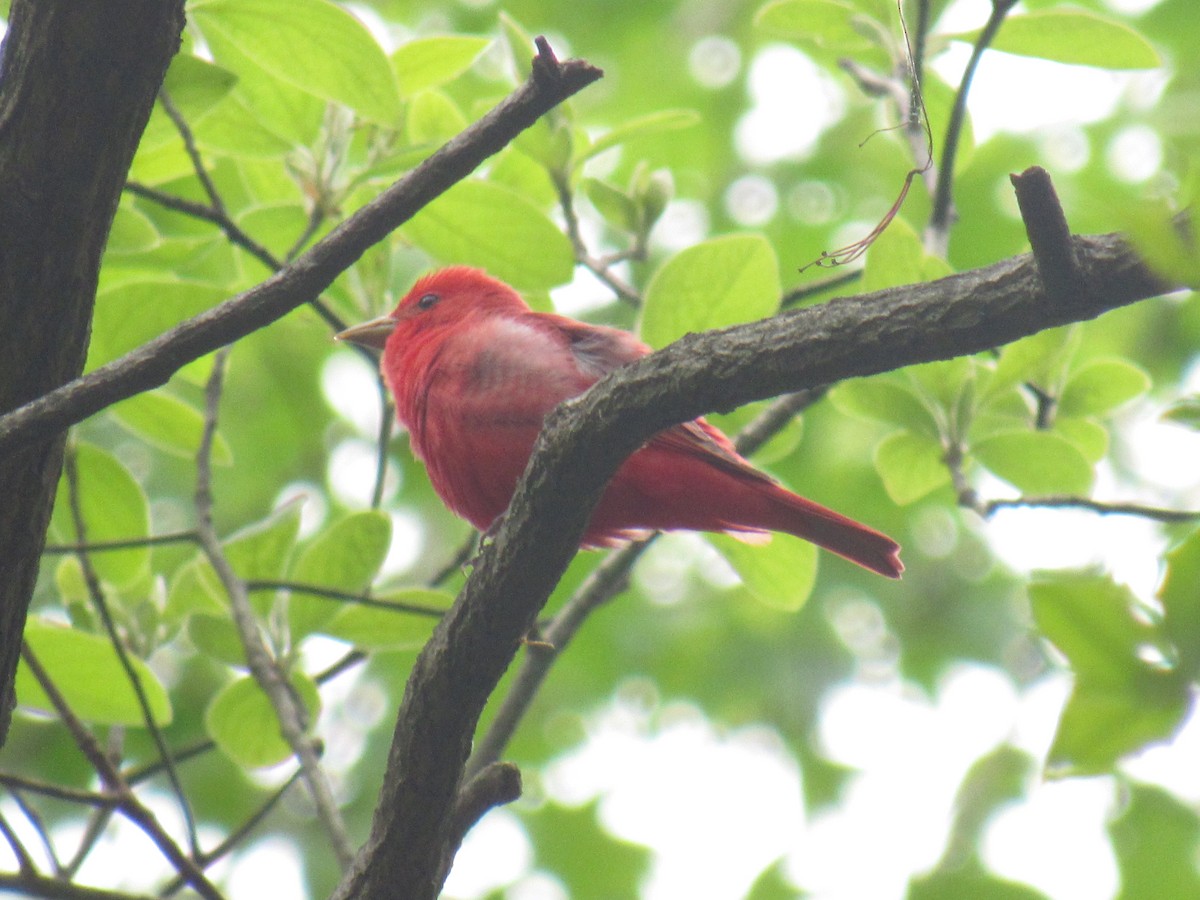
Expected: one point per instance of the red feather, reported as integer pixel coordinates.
(474, 372)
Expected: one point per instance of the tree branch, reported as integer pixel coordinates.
(605, 581)
(584, 441)
(271, 676)
(152, 364)
(77, 84)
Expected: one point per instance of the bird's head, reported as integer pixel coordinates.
(440, 299)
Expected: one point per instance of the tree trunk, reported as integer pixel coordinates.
(77, 84)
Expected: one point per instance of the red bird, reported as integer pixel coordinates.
(474, 371)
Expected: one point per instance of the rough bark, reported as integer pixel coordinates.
(77, 84)
(586, 439)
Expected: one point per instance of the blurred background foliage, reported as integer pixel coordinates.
(724, 150)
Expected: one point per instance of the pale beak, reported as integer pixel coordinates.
(370, 334)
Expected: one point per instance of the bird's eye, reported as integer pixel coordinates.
(428, 301)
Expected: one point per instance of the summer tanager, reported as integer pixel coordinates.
(474, 371)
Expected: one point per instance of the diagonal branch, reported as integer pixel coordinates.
(267, 670)
(586, 439)
(152, 364)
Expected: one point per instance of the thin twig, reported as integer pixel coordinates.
(461, 557)
(32, 884)
(597, 267)
(193, 152)
(386, 420)
(1063, 501)
(316, 218)
(343, 597)
(35, 819)
(217, 217)
(217, 213)
(24, 861)
(154, 362)
(100, 602)
(145, 771)
(290, 710)
(127, 800)
(942, 214)
(174, 537)
(236, 836)
(97, 823)
(17, 783)
(798, 295)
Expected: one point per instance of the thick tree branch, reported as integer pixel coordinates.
(77, 84)
(584, 441)
(603, 584)
(152, 364)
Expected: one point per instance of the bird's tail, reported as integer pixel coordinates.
(839, 534)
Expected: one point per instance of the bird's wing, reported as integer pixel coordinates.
(704, 441)
(599, 350)
(595, 349)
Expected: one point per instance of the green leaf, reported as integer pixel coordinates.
(1155, 839)
(194, 589)
(1186, 412)
(217, 637)
(1120, 702)
(781, 574)
(127, 315)
(259, 123)
(497, 229)
(1100, 386)
(70, 582)
(433, 118)
(523, 174)
(896, 258)
(653, 123)
(722, 281)
(1038, 358)
(1165, 247)
(196, 85)
(1180, 596)
(1088, 436)
(245, 726)
(520, 44)
(1036, 462)
(261, 551)
(558, 832)
(168, 423)
(911, 466)
(345, 556)
(946, 384)
(885, 399)
(372, 628)
(1073, 36)
(88, 673)
(114, 508)
(310, 44)
(427, 62)
(1090, 618)
(615, 205)
(829, 24)
(1102, 723)
(131, 232)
